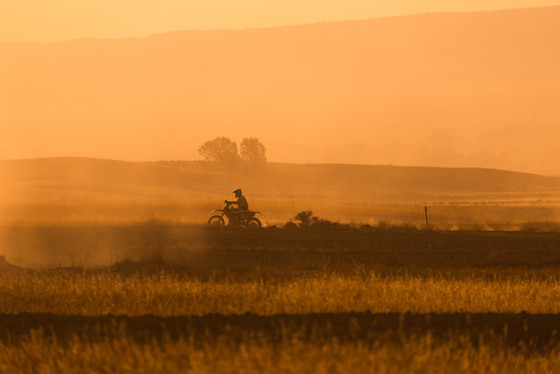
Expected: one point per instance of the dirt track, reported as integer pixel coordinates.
(103, 245)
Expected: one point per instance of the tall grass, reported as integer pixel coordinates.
(231, 273)
(421, 354)
(98, 293)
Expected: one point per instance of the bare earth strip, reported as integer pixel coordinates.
(532, 330)
(94, 245)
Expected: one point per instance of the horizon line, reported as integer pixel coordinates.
(240, 29)
(282, 163)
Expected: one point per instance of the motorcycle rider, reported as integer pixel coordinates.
(242, 205)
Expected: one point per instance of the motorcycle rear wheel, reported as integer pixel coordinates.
(216, 221)
(253, 223)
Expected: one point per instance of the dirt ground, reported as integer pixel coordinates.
(201, 246)
(534, 330)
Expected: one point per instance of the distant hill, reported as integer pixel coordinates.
(94, 179)
(444, 89)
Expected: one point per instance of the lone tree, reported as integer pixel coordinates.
(253, 151)
(222, 150)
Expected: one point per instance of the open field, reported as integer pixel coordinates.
(291, 354)
(83, 180)
(166, 293)
(167, 297)
(468, 215)
(204, 248)
(111, 267)
(78, 191)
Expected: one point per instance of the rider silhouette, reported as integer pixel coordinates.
(242, 205)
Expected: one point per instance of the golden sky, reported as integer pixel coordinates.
(57, 20)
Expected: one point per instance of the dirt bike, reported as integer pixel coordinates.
(235, 218)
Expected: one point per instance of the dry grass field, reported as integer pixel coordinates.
(112, 268)
(109, 266)
(169, 297)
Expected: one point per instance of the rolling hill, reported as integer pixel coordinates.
(472, 89)
(82, 179)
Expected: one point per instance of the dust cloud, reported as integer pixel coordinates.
(100, 246)
(80, 212)
(86, 212)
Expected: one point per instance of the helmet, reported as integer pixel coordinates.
(237, 191)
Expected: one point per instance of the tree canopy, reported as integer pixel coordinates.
(253, 151)
(224, 151)
(221, 149)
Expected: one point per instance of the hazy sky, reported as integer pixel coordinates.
(477, 89)
(57, 20)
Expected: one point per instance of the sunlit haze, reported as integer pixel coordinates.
(241, 186)
(428, 87)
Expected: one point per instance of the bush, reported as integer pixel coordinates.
(305, 218)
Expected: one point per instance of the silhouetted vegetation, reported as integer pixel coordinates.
(306, 218)
(224, 151)
(253, 151)
(221, 150)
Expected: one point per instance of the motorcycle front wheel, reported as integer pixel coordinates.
(253, 223)
(216, 221)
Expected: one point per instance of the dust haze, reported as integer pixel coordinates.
(448, 90)
(91, 212)
(364, 122)
(405, 172)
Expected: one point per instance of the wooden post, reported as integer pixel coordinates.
(426, 212)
